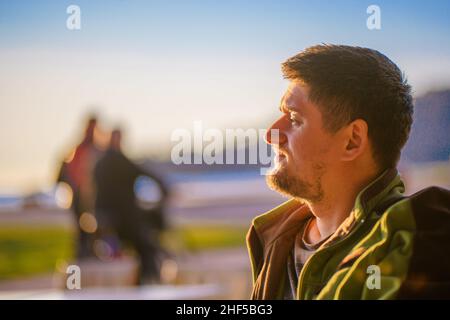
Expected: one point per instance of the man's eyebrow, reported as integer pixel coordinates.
(284, 107)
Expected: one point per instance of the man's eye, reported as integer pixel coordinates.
(293, 120)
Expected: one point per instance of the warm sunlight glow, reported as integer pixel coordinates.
(88, 223)
(63, 195)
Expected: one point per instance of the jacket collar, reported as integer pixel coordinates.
(383, 189)
(386, 186)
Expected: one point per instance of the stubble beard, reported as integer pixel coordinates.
(288, 184)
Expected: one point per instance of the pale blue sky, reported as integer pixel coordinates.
(155, 66)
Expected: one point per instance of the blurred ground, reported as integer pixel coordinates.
(36, 243)
(227, 270)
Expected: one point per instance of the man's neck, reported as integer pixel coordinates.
(335, 207)
(328, 218)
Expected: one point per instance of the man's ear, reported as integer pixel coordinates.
(356, 139)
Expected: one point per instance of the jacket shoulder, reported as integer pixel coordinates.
(428, 275)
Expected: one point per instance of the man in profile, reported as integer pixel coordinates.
(347, 232)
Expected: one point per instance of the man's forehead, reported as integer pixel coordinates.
(295, 94)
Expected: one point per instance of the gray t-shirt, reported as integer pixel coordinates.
(299, 254)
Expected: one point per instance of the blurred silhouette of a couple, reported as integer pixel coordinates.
(105, 204)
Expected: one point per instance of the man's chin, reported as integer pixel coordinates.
(287, 185)
(278, 181)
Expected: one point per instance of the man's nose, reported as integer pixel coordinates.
(275, 135)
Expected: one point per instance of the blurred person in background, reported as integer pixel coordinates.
(118, 211)
(347, 232)
(77, 172)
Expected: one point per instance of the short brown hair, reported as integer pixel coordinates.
(349, 83)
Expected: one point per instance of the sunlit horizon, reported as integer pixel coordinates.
(152, 68)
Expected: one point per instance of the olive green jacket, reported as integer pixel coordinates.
(389, 247)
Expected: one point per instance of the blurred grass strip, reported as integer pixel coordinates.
(203, 237)
(28, 250)
(32, 250)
